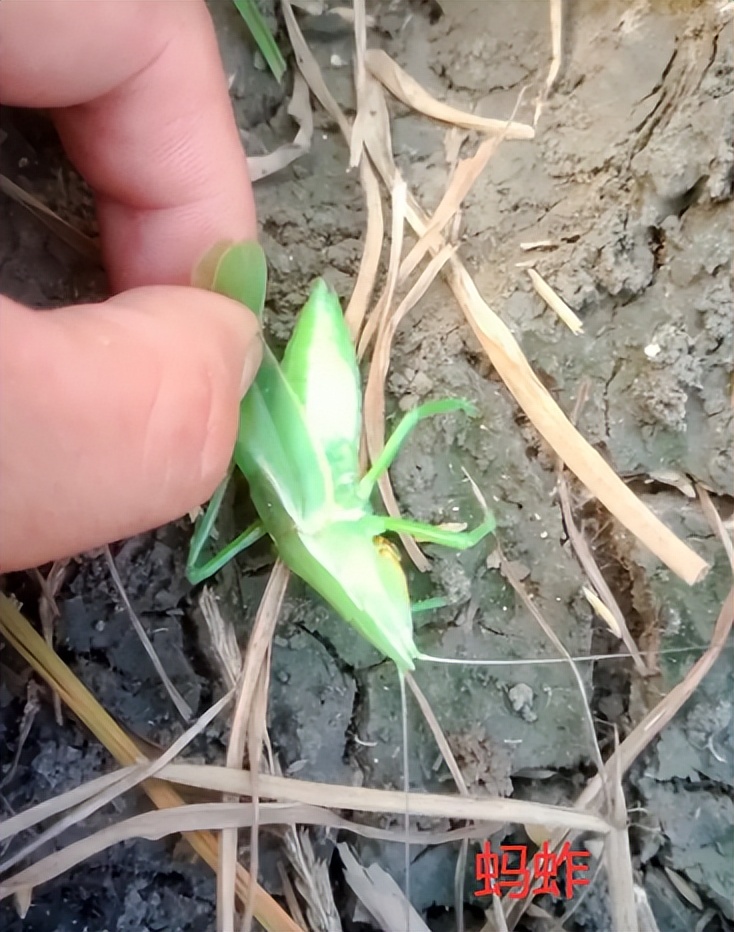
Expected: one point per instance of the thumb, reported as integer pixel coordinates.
(115, 417)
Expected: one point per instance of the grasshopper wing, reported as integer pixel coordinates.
(285, 468)
(321, 366)
(287, 471)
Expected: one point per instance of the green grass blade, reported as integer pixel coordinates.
(263, 37)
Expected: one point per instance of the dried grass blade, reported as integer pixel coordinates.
(182, 706)
(49, 613)
(21, 635)
(450, 759)
(462, 180)
(410, 92)
(463, 177)
(377, 317)
(438, 735)
(23, 900)
(381, 310)
(261, 166)
(645, 916)
(356, 798)
(715, 523)
(459, 882)
(553, 425)
(378, 141)
(361, 120)
(375, 233)
(601, 611)
(289, 894)
(618, 860)
(370, 261)
(589, 564)
(347, 14)
(256, 731)
(556, 32)
(223, 639)
(555, 302)
(686, 891)
(257, 720)
(310, 70)
(203, 817)
(257, 649)
(379, 894)
(556, 28)
(84, 245)
(313, 882)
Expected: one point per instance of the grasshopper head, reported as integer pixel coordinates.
(360, 576)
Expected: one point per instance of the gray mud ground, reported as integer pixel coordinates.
(630, 180)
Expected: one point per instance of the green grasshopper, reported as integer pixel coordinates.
(298, 448)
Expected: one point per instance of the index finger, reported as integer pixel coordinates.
(140, 100)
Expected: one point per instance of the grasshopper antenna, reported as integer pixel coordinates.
(406, 790)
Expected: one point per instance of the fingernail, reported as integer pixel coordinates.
(252, 364)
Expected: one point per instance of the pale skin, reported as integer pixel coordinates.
(118, 417)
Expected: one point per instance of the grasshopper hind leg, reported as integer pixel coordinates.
(428, 533)
(446, 537)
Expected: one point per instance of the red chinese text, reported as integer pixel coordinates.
(508, 872)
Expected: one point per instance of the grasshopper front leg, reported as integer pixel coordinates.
(398, 436)
(198, 573)
(456, 540)
(252, 534)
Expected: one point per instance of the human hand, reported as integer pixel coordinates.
(118, 417)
